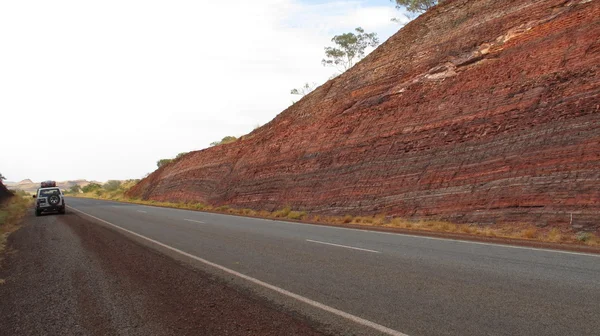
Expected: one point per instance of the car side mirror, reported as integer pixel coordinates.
(34, 196)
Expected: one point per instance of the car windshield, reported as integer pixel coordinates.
(49, 192)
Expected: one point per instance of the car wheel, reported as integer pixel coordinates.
(62, 211)
(38, 213)
(54, 200)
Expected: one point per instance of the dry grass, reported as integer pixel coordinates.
(363, 220)
(512, 231)
(11, 213)
(593, 241)
(282, 213)
(529, 233)
(2, 282)
(554, 235)
(297, 215)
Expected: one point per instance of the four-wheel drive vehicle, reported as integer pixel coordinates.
(49, 199)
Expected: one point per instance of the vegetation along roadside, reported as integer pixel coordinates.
(12, 211)
(115, 190)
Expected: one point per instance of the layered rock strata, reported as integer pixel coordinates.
(478, 111)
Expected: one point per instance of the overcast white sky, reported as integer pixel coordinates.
(103, 89)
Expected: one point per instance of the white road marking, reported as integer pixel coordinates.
(195, 221)
(345, 246)
(142, 211)
(115, 206)
(276, 289)
(442, 239)
(366, 230)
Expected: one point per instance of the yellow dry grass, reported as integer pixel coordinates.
(11, 213)
(512, 231)
(554, 235)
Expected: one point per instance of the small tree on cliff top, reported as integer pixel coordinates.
(305, 89)
(2, 177)
(180, 155)
(163, 162)
(350, 48)
(416, 6)
(225, 140)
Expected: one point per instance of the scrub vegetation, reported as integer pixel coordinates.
(522, 231)
(12, 211)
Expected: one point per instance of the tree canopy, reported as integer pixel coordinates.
(416, 6)
(349, 49)
(163, 162)
(91, 187)
(112, 185)
(2, 177)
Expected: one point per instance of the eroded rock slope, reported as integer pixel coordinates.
(478, 111)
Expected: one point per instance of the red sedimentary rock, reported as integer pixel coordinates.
(478, 111)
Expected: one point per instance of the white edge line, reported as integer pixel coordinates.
(344, 246)
(195, 221)
(282, 291)
(366, 230)
(442, 239)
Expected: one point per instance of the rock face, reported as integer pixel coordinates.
(478, 111)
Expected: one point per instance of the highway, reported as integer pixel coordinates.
(366, 282)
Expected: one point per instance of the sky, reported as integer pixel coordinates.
(102, 90)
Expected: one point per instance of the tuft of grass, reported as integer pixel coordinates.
(222, 208)
(282, 213)
(593, 241)
(380, 220)
(468, 229)
(363, 220)
(297, 215)
(554, 235)
(583, 236)
(488, 232)
(264, 214)
(248, 212)
(2, 282)
(347, 219)
(529, 233)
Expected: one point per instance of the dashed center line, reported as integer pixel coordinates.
(142, 211)
(344, 246)
(195, 221)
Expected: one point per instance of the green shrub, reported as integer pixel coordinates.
(583, 236)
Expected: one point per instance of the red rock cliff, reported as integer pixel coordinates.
(478, 111)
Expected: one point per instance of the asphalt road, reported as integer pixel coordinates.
(368, 281)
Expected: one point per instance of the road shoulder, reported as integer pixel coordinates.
(66, 275)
